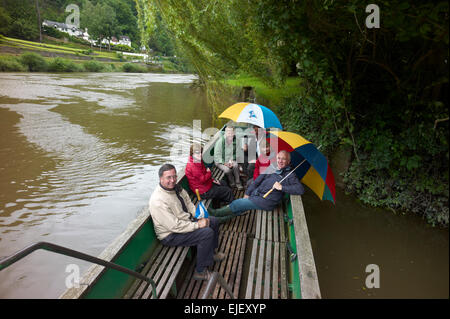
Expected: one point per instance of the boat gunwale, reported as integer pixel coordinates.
(309, 282)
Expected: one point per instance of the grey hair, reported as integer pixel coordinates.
(164, 168)
(287, 154)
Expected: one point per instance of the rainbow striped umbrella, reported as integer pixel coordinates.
(315, 172)
(252, 113)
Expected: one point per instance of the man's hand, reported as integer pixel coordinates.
(245, 196)
(215, 181)
(277, 186)
(202, 223)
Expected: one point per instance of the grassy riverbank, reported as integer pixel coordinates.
(274, 95)
(27, 56)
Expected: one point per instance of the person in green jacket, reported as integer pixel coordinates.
(225, 157)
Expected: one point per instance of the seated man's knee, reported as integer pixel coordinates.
(225, 169)
(206, 233)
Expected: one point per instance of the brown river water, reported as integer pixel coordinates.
(79, 155)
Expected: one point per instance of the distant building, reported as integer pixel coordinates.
(125, 40)
(74, 31)
(68, 28)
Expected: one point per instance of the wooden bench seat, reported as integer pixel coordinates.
(267, 277)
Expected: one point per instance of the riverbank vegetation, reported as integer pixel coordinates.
(46, 57)
(20, 33)
(380, 92)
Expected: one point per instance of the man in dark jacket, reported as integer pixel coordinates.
(254, 199)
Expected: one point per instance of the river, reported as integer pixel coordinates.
(79, 155)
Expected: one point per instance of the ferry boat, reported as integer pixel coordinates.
(269, 256)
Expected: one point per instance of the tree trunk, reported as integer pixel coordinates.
(39, 20)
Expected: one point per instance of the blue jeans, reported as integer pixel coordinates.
(238, 206)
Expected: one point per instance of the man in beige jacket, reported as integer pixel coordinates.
(175, 224)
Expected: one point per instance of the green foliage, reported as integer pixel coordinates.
(122, 47)
(93, 66)
(64, 65)
(11, 64)
(53, 32)
(33, 62)
(18, 19)
(381, 91)
(133, 68)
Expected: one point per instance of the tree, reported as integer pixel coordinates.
(38, 13)
(100, 19)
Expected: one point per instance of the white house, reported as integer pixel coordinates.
(74, 31)
(125, 40)
(68, 28)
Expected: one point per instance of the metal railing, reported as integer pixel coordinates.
(8, 261)
(212, 282)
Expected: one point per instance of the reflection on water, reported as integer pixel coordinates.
(79, 159)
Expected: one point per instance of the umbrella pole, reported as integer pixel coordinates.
(271, 190)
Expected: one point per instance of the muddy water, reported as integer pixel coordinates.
(363, 252)
(78, 159)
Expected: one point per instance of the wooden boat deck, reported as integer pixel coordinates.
(255, 267)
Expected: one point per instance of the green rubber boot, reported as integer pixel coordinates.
(221, 212)
(224, 219)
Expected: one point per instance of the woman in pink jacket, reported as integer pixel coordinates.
(199, 177)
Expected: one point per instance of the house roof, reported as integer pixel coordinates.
(59, 25)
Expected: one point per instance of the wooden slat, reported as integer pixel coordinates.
(269, 226)
(165, 273)
(228, 264)
(260, 270)
(258, 224)
(263, 224)
(162, 253)
(282, 228)
(283, 275)
(276, 225)
(267, 268)
(238, 265)
(224, 266)
(252, 269)
(175, 271)
(220, 266)
(160, 270)
(276, 267)
(144, 271)
(182, 294)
